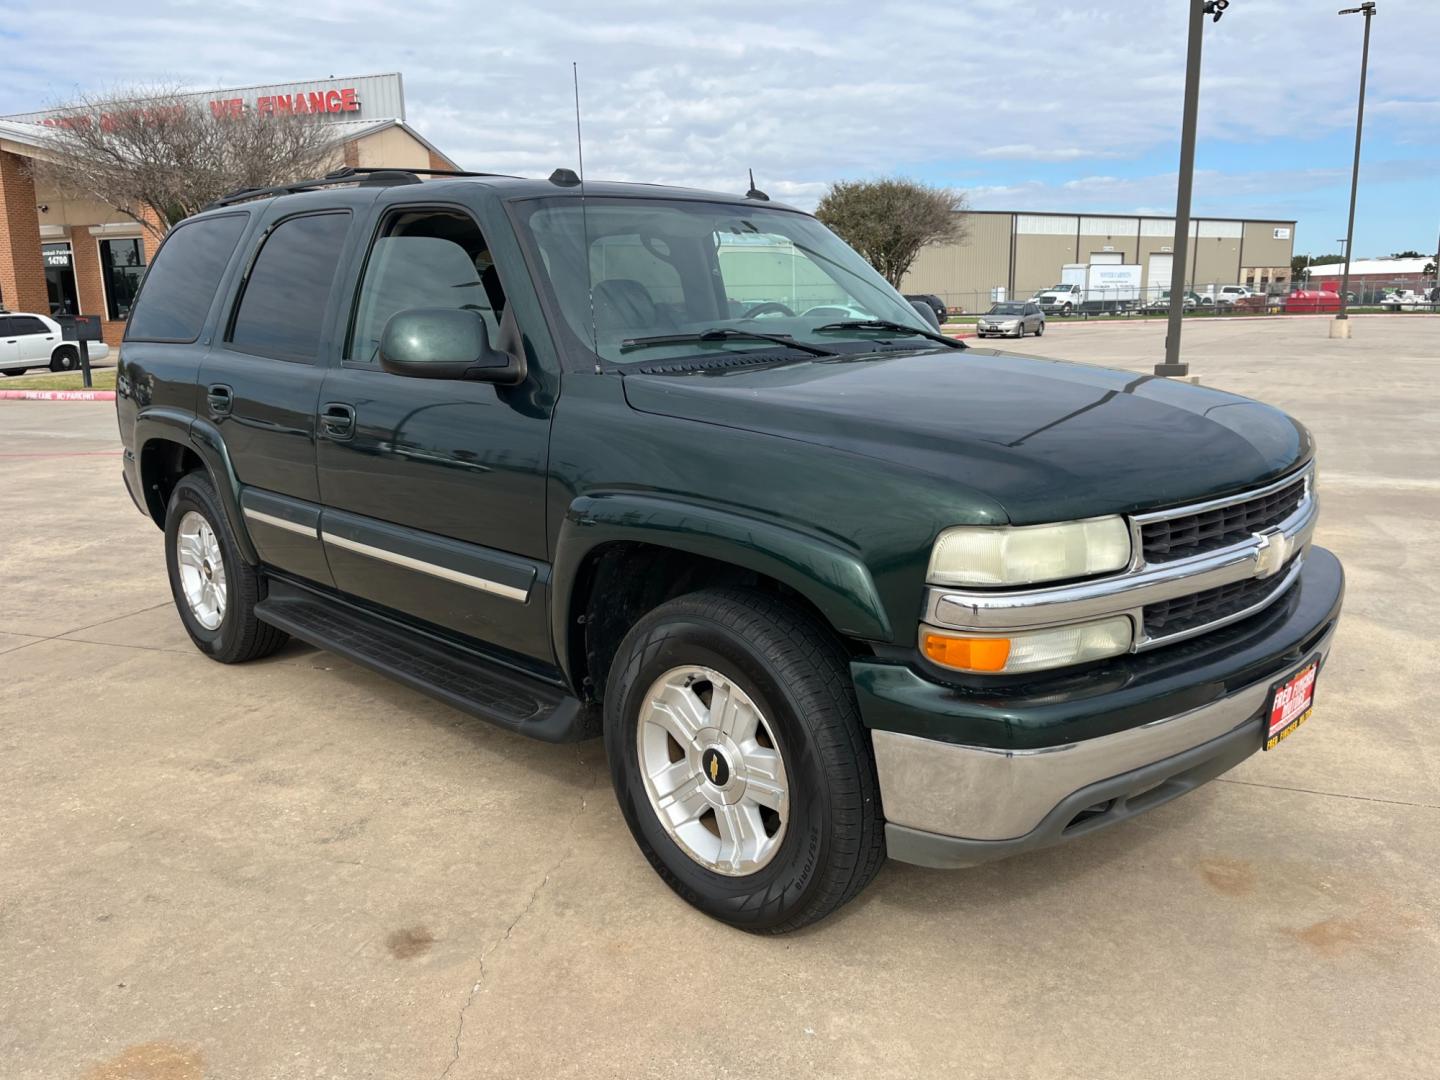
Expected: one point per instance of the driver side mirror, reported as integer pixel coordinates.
(445, 343)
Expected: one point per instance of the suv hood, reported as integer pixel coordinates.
(1049, 440)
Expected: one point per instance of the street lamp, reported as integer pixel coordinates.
(1198, 10)
(1340, 328)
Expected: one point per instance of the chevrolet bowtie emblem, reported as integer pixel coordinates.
(715, 767)
(1272, 554)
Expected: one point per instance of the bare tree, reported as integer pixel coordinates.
(171, 153)
(889, 221)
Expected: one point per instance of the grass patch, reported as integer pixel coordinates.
(103, 378)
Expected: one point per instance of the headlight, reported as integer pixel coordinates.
(990, 556)
(1028, 650)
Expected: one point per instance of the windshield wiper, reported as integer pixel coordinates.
(720, 333)
(893, 327)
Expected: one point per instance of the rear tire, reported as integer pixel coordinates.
(802, 755)
(1040, 329)
(65, 358)
(215, 589)
(16, 371)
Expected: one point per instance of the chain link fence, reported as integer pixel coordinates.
(1399, 295)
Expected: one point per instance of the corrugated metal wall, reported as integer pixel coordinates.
(1025, 252)
(969, 269)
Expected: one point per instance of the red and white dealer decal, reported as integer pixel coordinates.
(1291, 704)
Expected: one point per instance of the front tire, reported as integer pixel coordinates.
(215, 589)
(739, 760)
(65, 358)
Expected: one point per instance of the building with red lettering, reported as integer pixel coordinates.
(70, 256)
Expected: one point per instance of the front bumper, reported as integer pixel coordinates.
(967, 776)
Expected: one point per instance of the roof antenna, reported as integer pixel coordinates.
(754, 192)
(585, 218)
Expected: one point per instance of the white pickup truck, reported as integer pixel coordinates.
(1060, 299)
(1407, 300)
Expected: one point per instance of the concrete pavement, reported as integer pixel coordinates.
(295, 868)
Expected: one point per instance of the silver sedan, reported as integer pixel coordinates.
(1011, 319)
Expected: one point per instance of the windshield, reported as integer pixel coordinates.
(1007, 309)
(660, 267)
(1058, 288)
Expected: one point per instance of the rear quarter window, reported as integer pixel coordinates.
(27, 324)
(181, 283)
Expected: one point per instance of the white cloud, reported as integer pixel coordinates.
(1031, 152)
(805, 94)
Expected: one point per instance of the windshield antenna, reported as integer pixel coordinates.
(754, 192)
(585, 218)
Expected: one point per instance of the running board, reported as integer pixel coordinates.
(501, 695)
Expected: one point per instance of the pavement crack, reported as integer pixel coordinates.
(510, 929)
(1332, 794)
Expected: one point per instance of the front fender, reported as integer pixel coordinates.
(836, 581)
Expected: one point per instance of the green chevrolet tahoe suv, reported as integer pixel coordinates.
(680, 470)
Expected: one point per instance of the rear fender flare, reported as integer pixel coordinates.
(176, 426)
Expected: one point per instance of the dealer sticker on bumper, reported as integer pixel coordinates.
(1291, 704)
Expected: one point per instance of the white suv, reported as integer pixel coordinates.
(28, 341)
(1230, 293)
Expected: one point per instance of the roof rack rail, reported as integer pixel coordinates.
(364, 176)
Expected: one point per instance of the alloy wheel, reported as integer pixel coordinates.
(202, 570)
(713, 770)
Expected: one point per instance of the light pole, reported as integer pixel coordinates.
(1172, 364)
(1340, 328)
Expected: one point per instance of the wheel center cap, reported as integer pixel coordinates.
(717, 768)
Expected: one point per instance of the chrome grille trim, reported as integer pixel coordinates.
(1128, 593)
(1139, 521)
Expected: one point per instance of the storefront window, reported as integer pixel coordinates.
(122, 265)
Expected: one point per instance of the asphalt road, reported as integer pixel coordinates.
(296, 868)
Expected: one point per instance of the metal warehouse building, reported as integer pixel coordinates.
(1024, 252)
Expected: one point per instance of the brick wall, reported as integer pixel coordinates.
(89, 284)
(22, 269)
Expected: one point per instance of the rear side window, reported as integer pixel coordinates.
(27, 324)
(181, 284)
(283, 304)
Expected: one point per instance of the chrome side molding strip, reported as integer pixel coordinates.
(509, 592)
(281, 523)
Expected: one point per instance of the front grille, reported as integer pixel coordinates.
(1209, 530)
(1203, 608)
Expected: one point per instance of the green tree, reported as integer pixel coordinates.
(162, 149)
(889, 221)
(1407, 255)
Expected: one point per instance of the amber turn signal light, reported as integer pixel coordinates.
(967, 653)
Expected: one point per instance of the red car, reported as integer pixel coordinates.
(1312, 301)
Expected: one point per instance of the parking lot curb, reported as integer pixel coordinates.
(57, 395)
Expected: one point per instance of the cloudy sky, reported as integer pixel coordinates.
(1067, 106)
